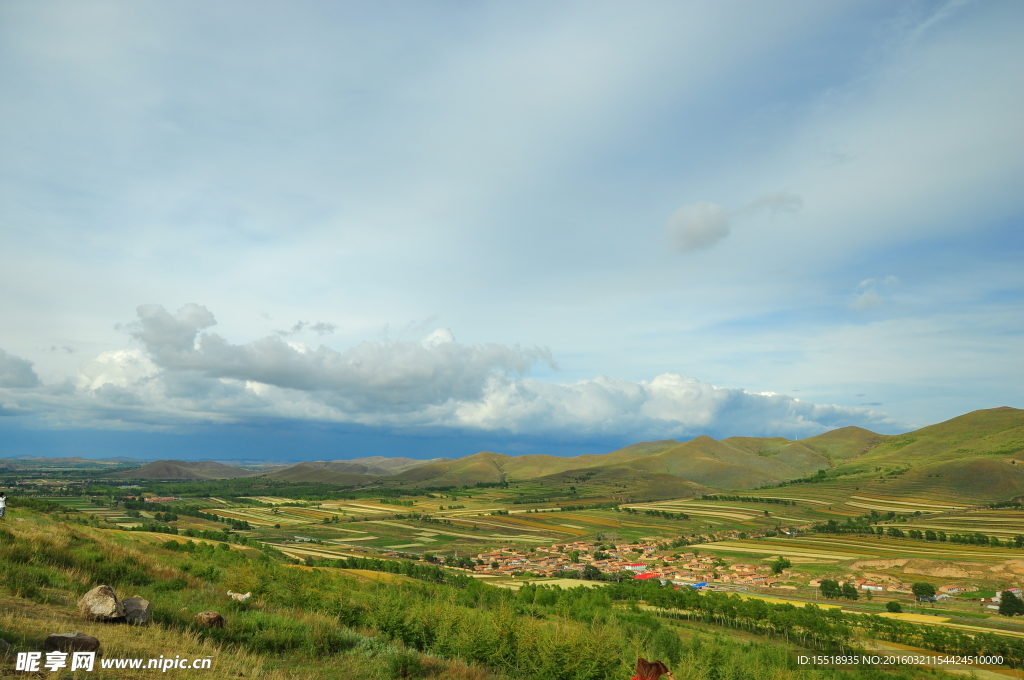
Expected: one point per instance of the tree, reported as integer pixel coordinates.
(1010, 604)
(779, 564)
(590, 572)
(894, 607)
(830, 589)
(849, 591)
(574, 556)
(930, 535)
(923, 590)
(665, 644)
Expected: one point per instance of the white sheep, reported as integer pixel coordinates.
(239, 596)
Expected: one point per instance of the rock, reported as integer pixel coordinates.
(70, 642)
(136, 610)
(101, 604)
(211, 619)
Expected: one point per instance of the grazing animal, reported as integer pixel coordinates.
(239, 596)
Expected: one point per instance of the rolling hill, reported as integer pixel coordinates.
(979, 455)
(308, 472)
(964, 454)
(188, 470)
(703, 461)
(349, 472)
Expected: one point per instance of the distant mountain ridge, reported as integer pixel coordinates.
(349, 472)
(737, 462)
(972, 454)
(186, 470)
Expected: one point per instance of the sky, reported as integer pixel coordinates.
(315, 230)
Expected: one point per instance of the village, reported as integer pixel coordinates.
(640, 560)
(648, 560)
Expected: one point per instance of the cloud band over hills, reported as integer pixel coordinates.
(182, 374)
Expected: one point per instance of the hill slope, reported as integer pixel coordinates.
(190, 470)
(971, 454)
(307, 472)
(730, 464)
(979, 455)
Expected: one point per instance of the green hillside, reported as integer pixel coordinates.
(979, 455)
(844, 444)
(181, 469)
(304, 472)
(703, 461)
(972, 454)
(992, 432)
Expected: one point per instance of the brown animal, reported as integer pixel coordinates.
(239, 596)
(651, 670)
(210, 619)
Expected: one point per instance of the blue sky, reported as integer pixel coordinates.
(319, 230)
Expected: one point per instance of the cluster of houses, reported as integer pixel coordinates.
(866, 585)
(993, 602)
(649, 560)
(643, 559)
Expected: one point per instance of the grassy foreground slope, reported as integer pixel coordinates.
(328, 621)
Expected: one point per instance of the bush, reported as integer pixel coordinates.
(405, 665)
(894, 607)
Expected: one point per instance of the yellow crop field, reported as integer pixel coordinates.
(562, 528)
(884, 508)
(917, 504)
(270, 499)
(599, 521)
(794, 498)
(916, 618)
(779, 600)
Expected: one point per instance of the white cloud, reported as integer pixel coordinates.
(363, 378)
(703, 224)
(870, 293)
(775, 204)
(700, 225)
(868, 299)
(16, 372)
(121, 368)
(177, 378)
(670, 405)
